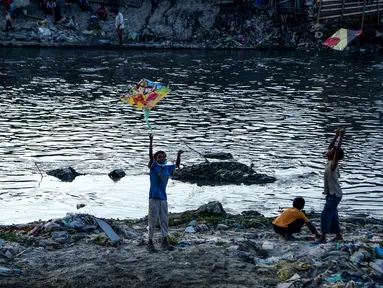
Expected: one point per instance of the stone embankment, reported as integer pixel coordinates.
(200, 24)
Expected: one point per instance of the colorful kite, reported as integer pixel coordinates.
(145, 95)
(341, 38)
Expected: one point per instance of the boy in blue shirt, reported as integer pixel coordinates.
(158, 205)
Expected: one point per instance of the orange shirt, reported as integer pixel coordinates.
(289, 216)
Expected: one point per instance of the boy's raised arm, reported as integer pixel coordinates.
(335, 161)
(334, 139)
(150, 150)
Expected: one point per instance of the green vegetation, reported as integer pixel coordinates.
(8, 236)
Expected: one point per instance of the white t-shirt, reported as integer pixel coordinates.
(120, 20)
(331, 181)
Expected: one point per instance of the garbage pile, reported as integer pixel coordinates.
(355, 262)
(247, 239)
(60, 233)
(295, 264)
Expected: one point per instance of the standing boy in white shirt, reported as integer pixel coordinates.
(119, 24)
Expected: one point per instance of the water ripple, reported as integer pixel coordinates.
(61, 108)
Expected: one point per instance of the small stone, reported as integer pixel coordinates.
(8, 254)
(43, 244)
(79, 206)
(189, 229)
(267, 246)
(193, 223)
(222, 227)
(263, 253)
(77, 237)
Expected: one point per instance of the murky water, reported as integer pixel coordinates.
(61, 108)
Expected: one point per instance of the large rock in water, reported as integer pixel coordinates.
(66, 174)
(220, 173)
(219, 155)
(117, 174)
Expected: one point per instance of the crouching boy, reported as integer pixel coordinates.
(292, 220)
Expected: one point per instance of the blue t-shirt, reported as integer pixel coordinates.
(159, 177)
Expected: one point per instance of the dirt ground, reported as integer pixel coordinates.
(225, 251)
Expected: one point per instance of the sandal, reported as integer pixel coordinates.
(290, 238)
(336, 239)
(317, 242)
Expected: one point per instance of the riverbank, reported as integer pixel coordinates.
(212, 249)
(184, 25)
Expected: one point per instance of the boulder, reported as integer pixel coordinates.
(65, 174)
(117, 174)
(211, 208)
(251, 213)
(220, 173)
(257, 178)
(219, 155)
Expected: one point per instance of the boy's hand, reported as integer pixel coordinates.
(180, 152)
(342, 131)
(318, 235)
(150, 136)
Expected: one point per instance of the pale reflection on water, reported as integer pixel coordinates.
(61, 108)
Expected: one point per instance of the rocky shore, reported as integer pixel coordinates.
(184, 24)
(212, 249)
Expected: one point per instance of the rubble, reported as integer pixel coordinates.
(212, 249)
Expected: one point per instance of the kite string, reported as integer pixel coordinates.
(147, 113)
(195, 151)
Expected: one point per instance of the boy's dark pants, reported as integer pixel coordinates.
(329, 216)
(8, 25)
(294, 227)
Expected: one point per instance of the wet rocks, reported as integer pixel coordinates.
(211, 208)
(251, 213)
(64, 174)
(218, 155)
(257, 178)
(117, 174)
(220, 173)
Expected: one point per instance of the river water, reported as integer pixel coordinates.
(277, 110)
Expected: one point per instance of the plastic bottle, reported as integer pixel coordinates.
(268, 261)
(359, 256)
(9, 271)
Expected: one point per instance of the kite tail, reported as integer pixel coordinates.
(147, 113)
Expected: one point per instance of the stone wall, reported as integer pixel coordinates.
(177, 20)
(186, 23)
